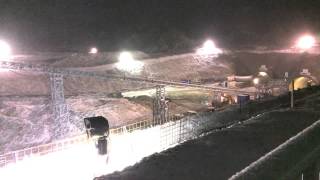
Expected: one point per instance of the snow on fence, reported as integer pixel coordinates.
(168, 130)
(126, 146)
(19, 155)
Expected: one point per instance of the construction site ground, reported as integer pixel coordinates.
(222, 152)
(26, 107)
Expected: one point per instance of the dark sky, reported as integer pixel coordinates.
(153, 25)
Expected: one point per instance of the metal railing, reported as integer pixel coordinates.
(132, 127)
(290, 160)
(15, 156)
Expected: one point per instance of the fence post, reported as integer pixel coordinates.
(311, 172)
(318, 169)
(180, 131)
(292, 95)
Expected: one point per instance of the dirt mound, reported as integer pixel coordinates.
(118, 111)
(175, 68)
(91, 60)
(28, 121)
(24, 122)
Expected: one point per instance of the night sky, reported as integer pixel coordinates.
(153, 25)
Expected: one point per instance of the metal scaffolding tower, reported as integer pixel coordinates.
(160, 106)
(60, 108)
(217, 96)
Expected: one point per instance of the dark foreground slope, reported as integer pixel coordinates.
(221, 154)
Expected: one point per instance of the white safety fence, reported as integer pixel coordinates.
(44, 149)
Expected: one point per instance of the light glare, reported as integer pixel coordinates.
(209, 44)
(256, 81)
(209, 48)
(306, 42)
(125, 57)
(128, 63)
(5, 50)
(93, 50)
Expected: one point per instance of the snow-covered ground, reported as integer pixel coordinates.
(82, 162)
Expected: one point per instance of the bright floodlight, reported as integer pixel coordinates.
(5, 50)
(306, 42)
(128, 63)
(93, 50)
(209, 48)
(209, 45)
(125, 57)
(256, 81)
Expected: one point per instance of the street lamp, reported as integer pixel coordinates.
(5, 50)
(128, 64)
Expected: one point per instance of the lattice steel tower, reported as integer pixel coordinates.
(160, 106)
(60, 108)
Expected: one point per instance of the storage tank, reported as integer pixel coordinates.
(243, 98)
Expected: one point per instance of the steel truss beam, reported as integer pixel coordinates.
(71, 72)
